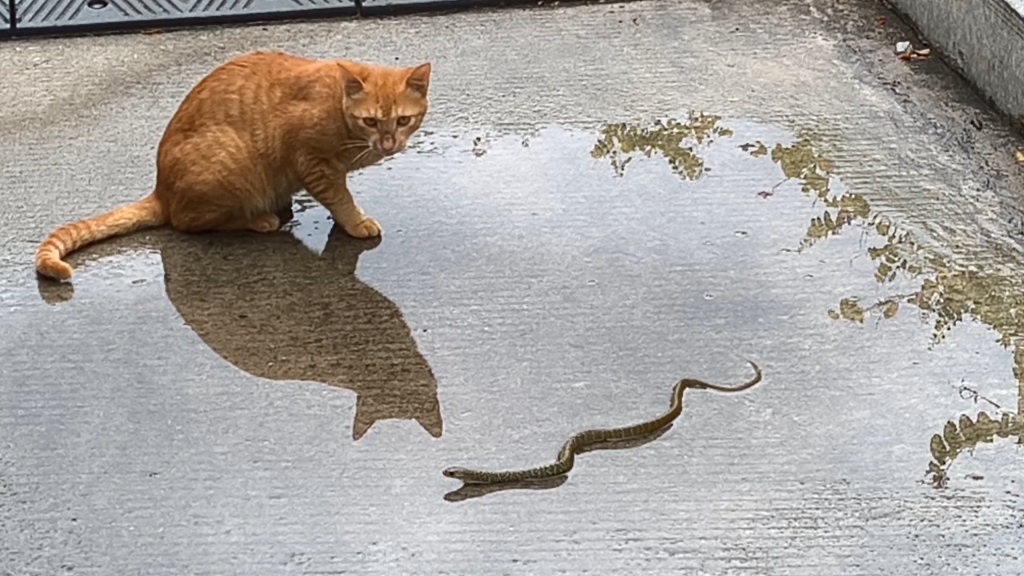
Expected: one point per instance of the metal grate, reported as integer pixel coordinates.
(60, 15)
(5, 17)
(402, 6)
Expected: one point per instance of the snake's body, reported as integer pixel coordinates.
(588, 438)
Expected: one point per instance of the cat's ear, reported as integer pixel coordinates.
(432, 422)
(353, 85)
(361, 424)
(419, 79)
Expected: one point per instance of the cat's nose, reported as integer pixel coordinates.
(387, 142)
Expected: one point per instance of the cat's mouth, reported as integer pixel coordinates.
(391, 152)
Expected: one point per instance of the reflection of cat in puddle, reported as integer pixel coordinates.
(277, 310)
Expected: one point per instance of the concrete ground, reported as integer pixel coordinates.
(982, 39)
(604, 199)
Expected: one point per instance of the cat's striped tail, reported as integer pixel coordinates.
(145, 213)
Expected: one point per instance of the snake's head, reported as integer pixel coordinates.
(455, 472)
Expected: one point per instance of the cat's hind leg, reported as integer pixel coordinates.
(266, 222)
(213, 182)
(210, 220)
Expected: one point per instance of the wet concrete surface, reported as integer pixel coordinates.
(983, 39)
(604, 199)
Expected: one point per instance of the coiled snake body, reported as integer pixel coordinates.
(588, 438)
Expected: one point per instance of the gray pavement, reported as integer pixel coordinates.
(983, 39)
(604, 199)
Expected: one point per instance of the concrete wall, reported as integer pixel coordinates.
(984, 39)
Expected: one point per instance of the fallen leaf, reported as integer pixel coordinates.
(906, 51)
(1020, 156)
(880, 20)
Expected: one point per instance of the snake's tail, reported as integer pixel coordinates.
(744, 386)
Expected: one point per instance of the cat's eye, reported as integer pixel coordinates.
(371, 122)
(404, 120)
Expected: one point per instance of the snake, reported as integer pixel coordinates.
(588, 438)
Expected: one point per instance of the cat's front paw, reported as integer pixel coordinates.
(365, 228)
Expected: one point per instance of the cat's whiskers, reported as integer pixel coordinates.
(353, 144)
(361, 154)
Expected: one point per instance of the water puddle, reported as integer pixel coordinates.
(532, 284)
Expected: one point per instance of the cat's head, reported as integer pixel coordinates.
(383, 105)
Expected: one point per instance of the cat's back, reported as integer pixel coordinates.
(268, 61)
(242, 92)
(254, 70)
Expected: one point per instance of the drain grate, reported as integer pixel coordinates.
(5, 18)
(371, 7)
(71, 17)
(35, 16)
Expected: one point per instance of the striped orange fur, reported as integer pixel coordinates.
(254, 132)
(145, 213)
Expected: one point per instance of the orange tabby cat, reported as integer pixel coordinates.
(254, 132)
